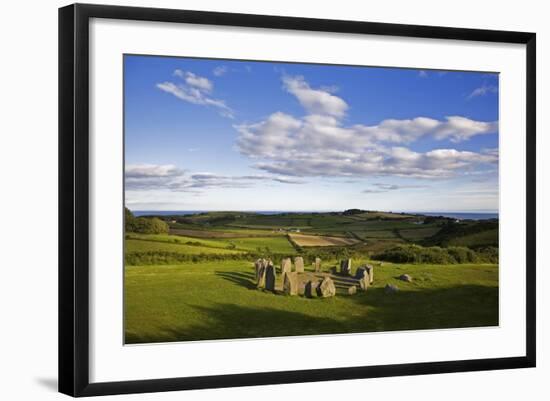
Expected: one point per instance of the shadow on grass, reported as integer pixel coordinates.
(230, 321)
(373, 311)
(241, 278)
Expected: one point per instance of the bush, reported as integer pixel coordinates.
(416, 254)
(462, 254)
(143, 225)
(488, 254)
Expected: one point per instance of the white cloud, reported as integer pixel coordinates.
(454, 128)
(316, 101)
(483, 90)
(381, 188)
(196, 90)
(169, 177)
(201, 83)
(151, 170)
(319, 145)
(219, 71)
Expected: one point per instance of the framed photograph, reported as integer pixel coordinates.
(250, 199)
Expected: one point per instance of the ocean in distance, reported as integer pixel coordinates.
(452, 215)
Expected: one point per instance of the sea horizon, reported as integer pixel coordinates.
(462, 215)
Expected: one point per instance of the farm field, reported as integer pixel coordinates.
(318, 240)
(137, 246)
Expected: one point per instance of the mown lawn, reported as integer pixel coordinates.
(218, 300)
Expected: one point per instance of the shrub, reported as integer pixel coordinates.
(488, 254)
(416, 254)
(143, 225)
(462, 254)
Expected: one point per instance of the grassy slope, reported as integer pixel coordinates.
(275, 244)
(419, 233)
(214, 300)
(133, 245)
(489, 237)
(179, 243)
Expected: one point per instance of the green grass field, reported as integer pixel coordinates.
(138, 246)
(197, 283)
(219, 300)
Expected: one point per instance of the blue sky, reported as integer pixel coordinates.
(241, 135)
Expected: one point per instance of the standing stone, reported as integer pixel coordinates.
(290, 283)
(299, 263)
(364, 283)
(326, 288)
(370, 271)
(260, 276)
(311, 289)
(317, 265)
(286, 266)
(257, 265)
(270, 277)
(361, 272)
(345, 267)
(352, 290)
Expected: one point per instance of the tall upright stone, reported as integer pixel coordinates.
(370, 271)
(317, 265)
(258, 266)
(310, 290)
(364, 282)
(326, 288)
(286, 266)
(361, 272)
(290, 283)
(299, 263)
(270, 277)
(345, 267)
(260, 273)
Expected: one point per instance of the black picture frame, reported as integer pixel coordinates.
(74, 198)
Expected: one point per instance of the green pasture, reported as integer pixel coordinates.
(489, 237)
(179, 243)
(219, 300)
(139, 246)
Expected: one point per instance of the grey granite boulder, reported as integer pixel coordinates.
(391, 289)
(405, 277)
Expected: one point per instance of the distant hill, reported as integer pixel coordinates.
(473, 234)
